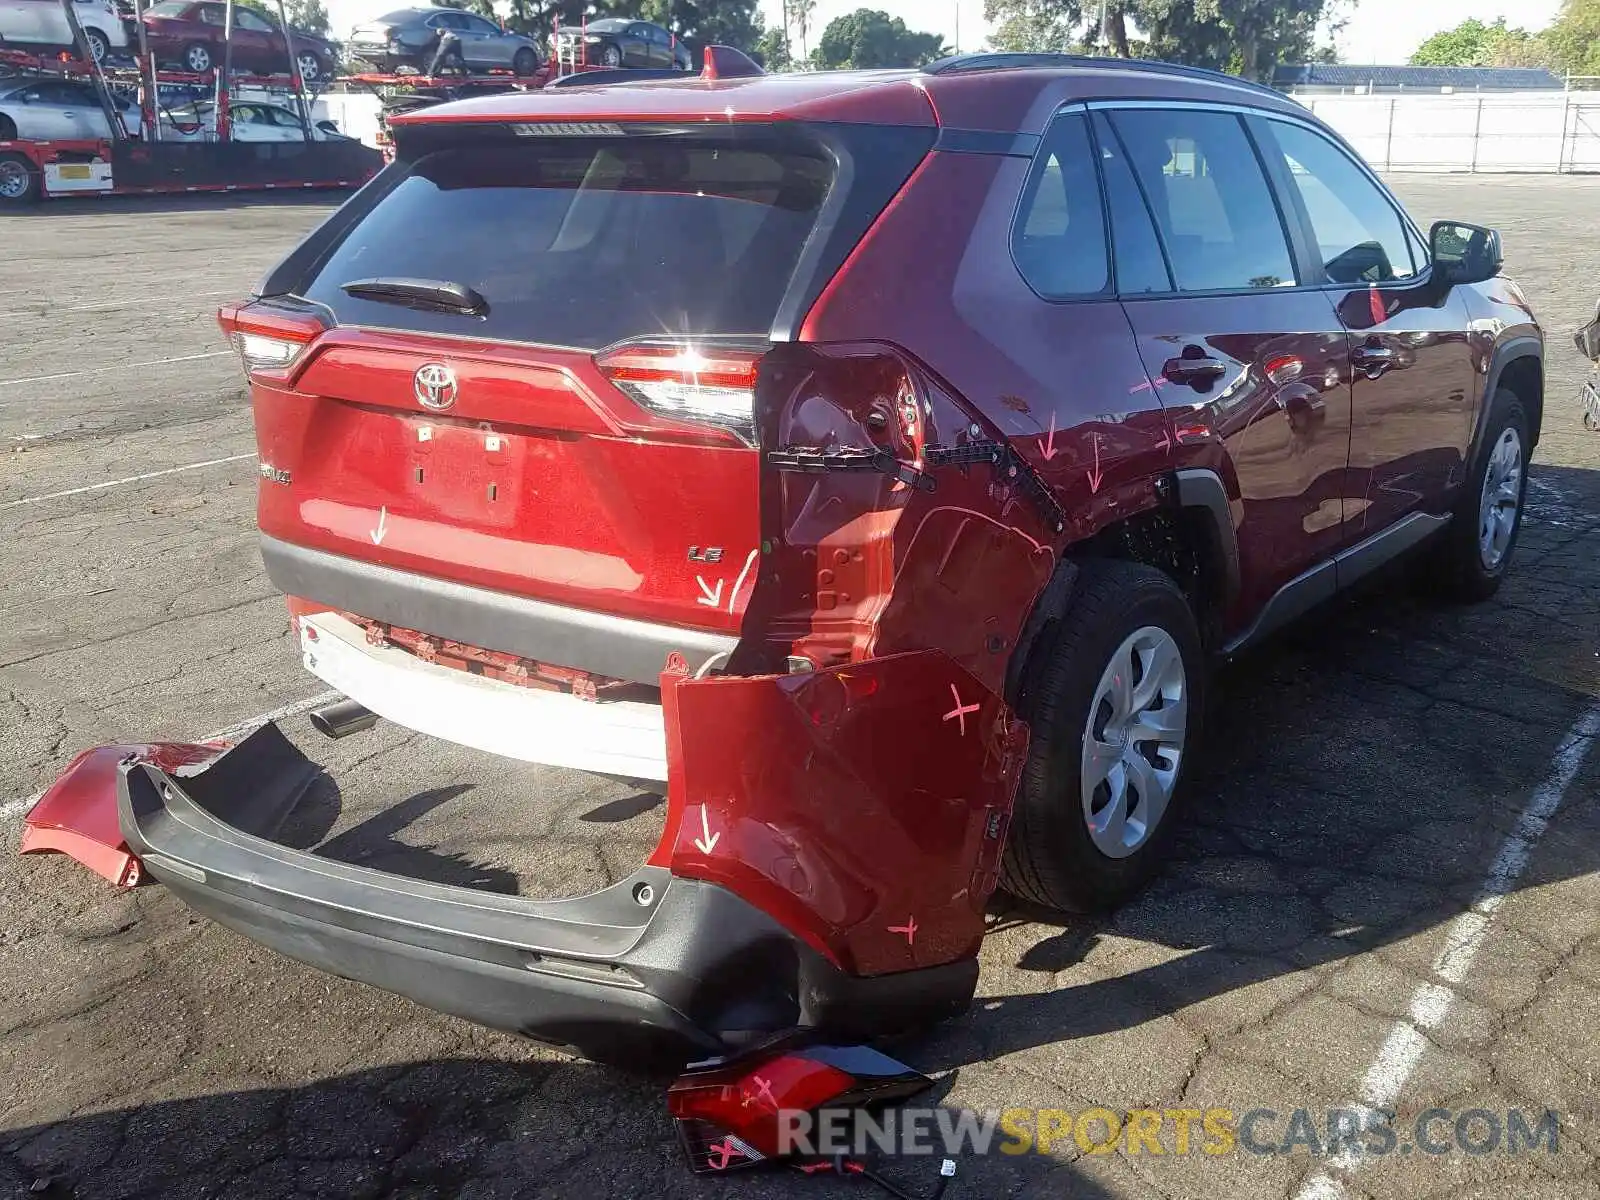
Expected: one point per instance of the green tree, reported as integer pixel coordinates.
(870, 38)
(1034, 26)
(1248, 37)
(702, 23)
(1469, 44)
(772, 51)
(801, 14)
(1574, 39)
(310, 15)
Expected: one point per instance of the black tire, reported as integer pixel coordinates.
(99, 44)
(524, 62)
(1051, 857)
(611, 56)
(1461, 571)
(8, 129)
(197, 58)
(19, 181)
(317, 71)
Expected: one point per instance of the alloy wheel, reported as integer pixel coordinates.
(1133, 742)
(1501, 500)
(14, 180)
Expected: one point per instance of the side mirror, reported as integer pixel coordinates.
(1465, 253)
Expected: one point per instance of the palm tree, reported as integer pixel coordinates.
(800, 13)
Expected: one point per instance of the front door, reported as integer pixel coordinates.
(1243, 354)
(1415, 389)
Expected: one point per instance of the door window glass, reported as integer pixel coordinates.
(249, 20)
(1210, 199)
(1135, 248)
(1359, 235)
(1059, 239)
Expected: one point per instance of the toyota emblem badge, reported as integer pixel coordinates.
(435, 386)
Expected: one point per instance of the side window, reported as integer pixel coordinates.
(1059, 239)
(1135, 247)
(1359, 235)
(251, 21)
(212, 14)
(483, 27)
(1209, 197)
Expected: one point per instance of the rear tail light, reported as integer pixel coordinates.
(268, 343)
(705, 384)
(258, 352)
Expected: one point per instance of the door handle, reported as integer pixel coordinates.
(1195, 368)
(1374, 360)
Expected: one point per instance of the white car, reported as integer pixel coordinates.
(253, 121)
(41, 25)
(58, 110)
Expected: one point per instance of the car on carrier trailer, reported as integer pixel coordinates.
(879, 461)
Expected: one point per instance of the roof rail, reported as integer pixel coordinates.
(960, 63)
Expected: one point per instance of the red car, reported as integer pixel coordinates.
(189, 35)
(878, 460)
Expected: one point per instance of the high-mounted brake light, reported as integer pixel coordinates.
(712, 385)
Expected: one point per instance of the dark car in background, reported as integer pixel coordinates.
(410, 37)
(189, 33)
(615, 42)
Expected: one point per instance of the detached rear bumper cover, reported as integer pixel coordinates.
(831, 839)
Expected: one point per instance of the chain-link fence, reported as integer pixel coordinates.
(1489, 132)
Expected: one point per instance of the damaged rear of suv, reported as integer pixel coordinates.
(854, 457)
(511, 404)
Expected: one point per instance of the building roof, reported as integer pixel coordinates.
(1464, 79)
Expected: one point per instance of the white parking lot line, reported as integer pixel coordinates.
(1431, 1002)
(98, 305)
(95, 487)
(154, 362)
(18, 807)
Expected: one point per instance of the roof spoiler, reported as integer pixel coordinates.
(721, 62)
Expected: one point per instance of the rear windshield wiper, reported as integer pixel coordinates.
(440, 295)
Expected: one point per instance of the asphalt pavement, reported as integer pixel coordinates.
(1389, 896)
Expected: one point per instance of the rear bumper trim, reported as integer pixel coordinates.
(620, 647)
(696, 971)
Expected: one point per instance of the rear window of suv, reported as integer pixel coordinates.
(585, 242)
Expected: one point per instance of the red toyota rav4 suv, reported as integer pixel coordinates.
(876, 459)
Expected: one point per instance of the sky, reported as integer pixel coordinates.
(1377, 31)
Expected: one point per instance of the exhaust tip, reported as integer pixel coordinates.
(342, 718)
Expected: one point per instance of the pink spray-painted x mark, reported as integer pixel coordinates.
(960, 711)
(724, 1150)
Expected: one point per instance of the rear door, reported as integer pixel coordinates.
(481, 42)
(636, 46)
(33, 22)
(660, 42)
(1244, 352)
(258, 43)
(1415, 389)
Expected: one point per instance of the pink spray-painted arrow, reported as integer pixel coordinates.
(1095, 475)
(1047, 445)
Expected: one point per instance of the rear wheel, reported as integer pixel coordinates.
(1476, 550)
(99, 44)
(525, 62)
(1116, 711)
(310, 67)
(197, 58)
(19, 182)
